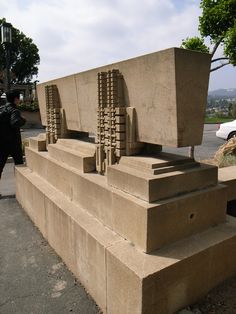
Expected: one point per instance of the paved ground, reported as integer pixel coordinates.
(210, 144)
(7, 184)
(33, 279)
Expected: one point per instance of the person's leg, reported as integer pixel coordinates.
(3, 159)
(17, 155)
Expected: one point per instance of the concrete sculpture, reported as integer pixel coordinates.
(143, 230)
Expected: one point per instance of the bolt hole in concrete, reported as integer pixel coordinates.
(191, 216)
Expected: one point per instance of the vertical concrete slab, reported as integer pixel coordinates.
(161, 86)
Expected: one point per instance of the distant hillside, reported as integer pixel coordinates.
(223, 93)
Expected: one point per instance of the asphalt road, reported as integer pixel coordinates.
(33, 279)
(210, 143)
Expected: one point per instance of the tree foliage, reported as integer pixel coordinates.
(24, 58)
(195, 43)
(217, 22)
(232, 109)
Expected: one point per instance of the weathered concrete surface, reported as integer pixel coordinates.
(166, 279)
(146, 225)
(33, 279)
(167, 88)
(120, 277)
(76, 236)
(227, 176)
(161, 282)
(76, 154)
(152, 188)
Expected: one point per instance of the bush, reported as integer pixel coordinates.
(226, 154)
(28, 106)
(226, 161)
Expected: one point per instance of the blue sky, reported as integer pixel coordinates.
(76, 35)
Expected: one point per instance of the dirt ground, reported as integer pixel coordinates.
(221, 299)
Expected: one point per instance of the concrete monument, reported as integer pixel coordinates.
(143, 230)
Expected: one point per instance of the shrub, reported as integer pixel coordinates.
(28, 106)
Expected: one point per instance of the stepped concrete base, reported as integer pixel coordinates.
(150, 187)
(172, 277)
(160, 163)
(148, 226)
(119, 277)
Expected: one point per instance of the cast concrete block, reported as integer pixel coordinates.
(126, 214)
(120, 277)
(77, 156)
(183, 216)
(38, 142)
(76, 236)
(227, 176)
(27, 194)
(168, 90)
(171, 278)
(151, 188)
(146, 225)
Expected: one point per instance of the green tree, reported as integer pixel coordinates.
(232, 110)
(24, 58)
(217, 22)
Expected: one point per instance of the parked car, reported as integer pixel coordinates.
(227, 130)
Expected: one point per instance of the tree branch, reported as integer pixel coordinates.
(220, 66)
(218, 59)
(217, 45)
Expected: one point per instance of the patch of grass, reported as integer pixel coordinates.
(217, 120)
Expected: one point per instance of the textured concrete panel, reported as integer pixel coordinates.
(167, 88)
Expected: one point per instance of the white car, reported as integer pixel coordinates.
(227, 130)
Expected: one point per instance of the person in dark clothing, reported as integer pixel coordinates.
(10, 123)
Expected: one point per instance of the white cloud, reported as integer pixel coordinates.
(75, 35)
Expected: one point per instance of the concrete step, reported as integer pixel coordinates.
(120, 277)
(177, 167)
(151, 187)
(77, 154)
(159, 160)
(146, 225)
(160, 163)
(84, 147)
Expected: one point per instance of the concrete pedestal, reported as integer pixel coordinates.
(133, 256)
